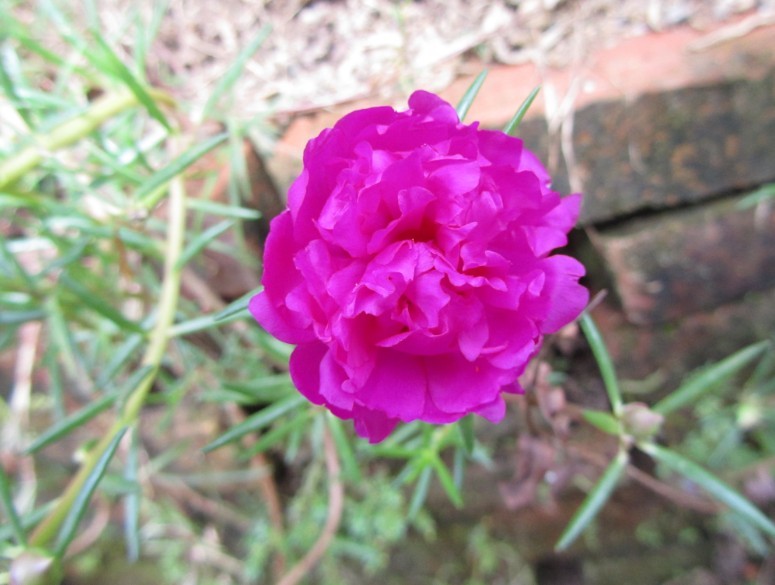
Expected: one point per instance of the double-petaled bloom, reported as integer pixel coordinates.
(412, 267)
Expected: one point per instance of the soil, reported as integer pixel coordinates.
(321, 53)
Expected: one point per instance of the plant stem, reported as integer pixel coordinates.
(154, 353)
(68, 133)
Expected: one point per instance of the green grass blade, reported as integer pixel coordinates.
(81, 502)
(214, 208)
(55, 383)
(20, 32)
(149, 193)
(28, 521)
(202, 323)
(70, 423)
(256, 422)
(67, 132)
(604, 362)
(236, 307)
(264, 389)
(470, 95)
(112, 65)
(201, 241)
(346, 455)
(19, 317)
(132, 500)
(594, 501)
(228, 79)
(10, 510)
(514, 123)
(757, 196)
(277, 434)
(466, 428)
(447, 482)
(711, 484)
(11, 78)
(707, 378)
(63, 27)
(459, 465)
(10, 265)
(62, 337)
(82, 416)
(120, 356)
(420, 492)
(147, 32)
(94, 301)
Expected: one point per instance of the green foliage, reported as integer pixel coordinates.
(636, 424)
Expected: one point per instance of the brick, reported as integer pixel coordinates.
(673, 264)
(665, 353)
(673, 148)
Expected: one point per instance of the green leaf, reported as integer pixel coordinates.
(276, 349)
(149, 193)
(420, 492)
(707, 378)
(264, 389)
(470, 95)
(10, 79)
(763, 374)
(10, 510)
(514, 123)
(459, 465)
(711, 484)
(604, 362)
(603, 421)
(445, 478)
(28, 521)
(256, 422)
(343, 447)
(594, 501)
(277, 434)
(20, 32)
(466, 428)
(70, 423)
(230, 77)
(120, 356)
(402, 436)
(61, 337)
(758, 196)
(200, 242)
(95, 302)
(18, 317)
(111, 64)
(745, 532)
(214, 208)
(132, 500)
(82, 416)
(10, 265)
(81, 502)
(203, 323)
(147, 30)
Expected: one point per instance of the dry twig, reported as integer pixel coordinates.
(335, 505)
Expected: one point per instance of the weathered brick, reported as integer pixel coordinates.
(673, 264)
(666, 352)
(672, 148)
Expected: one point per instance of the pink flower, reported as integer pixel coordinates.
(412, 267)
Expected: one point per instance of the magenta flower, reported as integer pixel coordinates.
(412, 267)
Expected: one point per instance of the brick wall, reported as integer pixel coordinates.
(667, 151)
